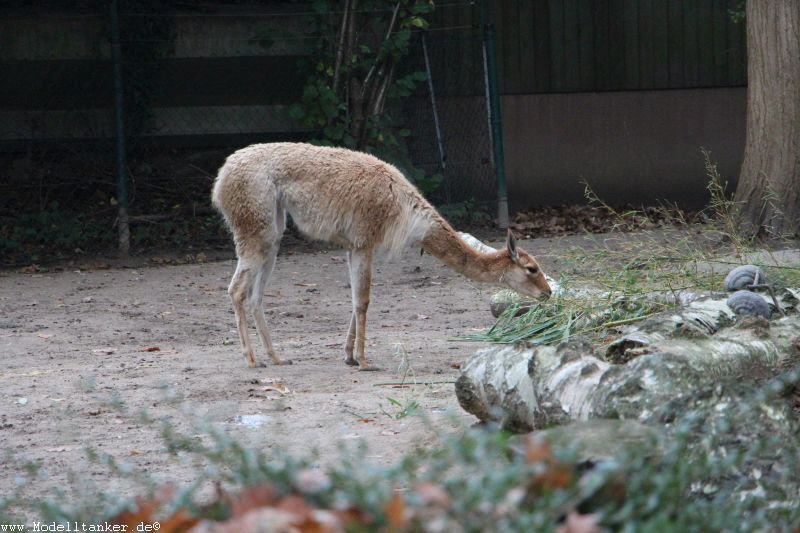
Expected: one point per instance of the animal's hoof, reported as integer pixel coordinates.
(350, 361)
(257, 364)
(367, 368)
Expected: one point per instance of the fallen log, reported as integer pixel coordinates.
(669, 355)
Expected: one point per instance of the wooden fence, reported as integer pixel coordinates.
(552, 46)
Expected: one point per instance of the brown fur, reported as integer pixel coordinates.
(349, 198)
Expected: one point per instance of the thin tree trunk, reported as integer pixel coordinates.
(769, 183)
(340, 49)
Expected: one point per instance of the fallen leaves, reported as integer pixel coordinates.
(551, 474)
(299, 506)
(254, 509)
(579, 523)
(573, 219)
(278, 387)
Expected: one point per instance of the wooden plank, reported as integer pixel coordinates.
(630, 23)
(737, 51)
(691, 54)
(660, 30)
(675, 43)
(506, 45)
(720, 31)
(586, 44)
(602, 70)
(527, 55)
(461, 45)
(572, 60)
(646, 63)
(557, 70)
(705, 39)
(541, 44)
(512, 29)
(616, 45)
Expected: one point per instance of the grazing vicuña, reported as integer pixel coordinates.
(349, 198)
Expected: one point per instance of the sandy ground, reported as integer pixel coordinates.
(72, 340)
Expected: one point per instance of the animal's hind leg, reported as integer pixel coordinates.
(240, 291)
(350, 342)
(258, 310)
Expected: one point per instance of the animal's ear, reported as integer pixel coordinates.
(511, 245)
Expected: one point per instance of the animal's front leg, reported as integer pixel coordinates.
(350, 342)
(360, 281)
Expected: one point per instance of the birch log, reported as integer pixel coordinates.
(667, 356)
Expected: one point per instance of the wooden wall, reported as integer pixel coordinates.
(552, 46)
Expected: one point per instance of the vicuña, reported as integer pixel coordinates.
(351, 199)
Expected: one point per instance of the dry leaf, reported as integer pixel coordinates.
(432, 494)
(278, 387)
(579, 523)
(249, 499)
(396, 511)
(143, 515)
(312, 480)
(554, 475)
(151, 349)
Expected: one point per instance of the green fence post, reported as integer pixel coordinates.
(119, 132)
(496, 125)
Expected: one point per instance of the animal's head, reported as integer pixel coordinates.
(523, 273)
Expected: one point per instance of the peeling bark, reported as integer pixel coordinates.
(665, 357)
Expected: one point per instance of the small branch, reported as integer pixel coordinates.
(406, 384)
(340, 50)
(392, 22)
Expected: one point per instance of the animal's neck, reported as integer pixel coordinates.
(443, 242)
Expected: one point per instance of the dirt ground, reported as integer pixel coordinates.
(72, 340)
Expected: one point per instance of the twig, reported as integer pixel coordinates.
(387, 383)
(770, 291)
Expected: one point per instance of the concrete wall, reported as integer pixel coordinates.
(638, 146)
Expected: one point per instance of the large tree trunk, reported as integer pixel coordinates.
(769, 183)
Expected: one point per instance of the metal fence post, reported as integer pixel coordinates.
(119, 132)
(439, 143)
(495, 123)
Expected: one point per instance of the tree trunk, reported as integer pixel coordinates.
(653, 367)
(768, 192)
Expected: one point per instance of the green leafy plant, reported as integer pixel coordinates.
(403, 409)
(730, 465)
(355, 74)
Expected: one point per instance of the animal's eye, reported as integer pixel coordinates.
(533, 270)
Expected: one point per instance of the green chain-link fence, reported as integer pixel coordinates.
(195, 88)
